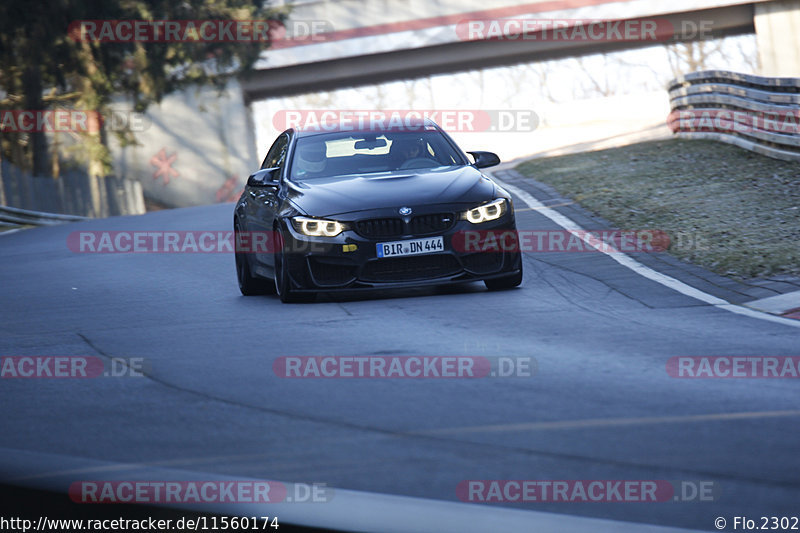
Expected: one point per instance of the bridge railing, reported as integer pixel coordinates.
(756, 113)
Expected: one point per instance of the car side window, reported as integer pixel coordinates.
(277, 153)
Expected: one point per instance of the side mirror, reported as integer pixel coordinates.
(267, 177)
(484, 159)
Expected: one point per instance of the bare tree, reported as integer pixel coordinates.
(529, 79)
(599, 83)
(321, 100)
(749, 57)
(479, 79)
(431, 94)
(379, 96)
(410, 88)
(692, 56)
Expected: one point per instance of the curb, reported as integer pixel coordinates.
(689, 279)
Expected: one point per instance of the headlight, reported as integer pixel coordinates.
(317, 227)
(486, 212)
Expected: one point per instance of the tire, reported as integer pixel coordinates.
(282, 281)
(506, 282)
(250, 285)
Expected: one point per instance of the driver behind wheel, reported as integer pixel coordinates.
(403, 150)
(311, 159)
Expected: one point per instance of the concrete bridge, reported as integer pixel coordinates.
(200, 147)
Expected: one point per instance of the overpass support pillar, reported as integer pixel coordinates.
(778, 36)
(198, 147)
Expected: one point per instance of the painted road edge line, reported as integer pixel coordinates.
(777, 305)
(627, 261)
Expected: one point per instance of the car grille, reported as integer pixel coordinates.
(379, 228)
(424, 224)
(410, 268)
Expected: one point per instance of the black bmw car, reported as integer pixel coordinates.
(370, 208)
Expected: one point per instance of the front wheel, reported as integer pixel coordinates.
(249, 285)
(282, 281)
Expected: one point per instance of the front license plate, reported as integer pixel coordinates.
(410, 247)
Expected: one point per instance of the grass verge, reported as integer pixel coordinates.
(732, 211)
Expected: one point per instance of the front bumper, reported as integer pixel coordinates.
(349, 260)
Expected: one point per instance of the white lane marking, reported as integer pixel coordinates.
(739, 310)
(647, 272)
(553, 205)
(609, 422)
(777, 304)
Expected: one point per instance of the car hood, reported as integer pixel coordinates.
(345, 194)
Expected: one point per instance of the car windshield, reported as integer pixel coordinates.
(334, 154)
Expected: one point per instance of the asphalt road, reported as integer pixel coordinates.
(600, 335)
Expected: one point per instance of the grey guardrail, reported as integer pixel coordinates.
(14, 215)
(756, 113)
